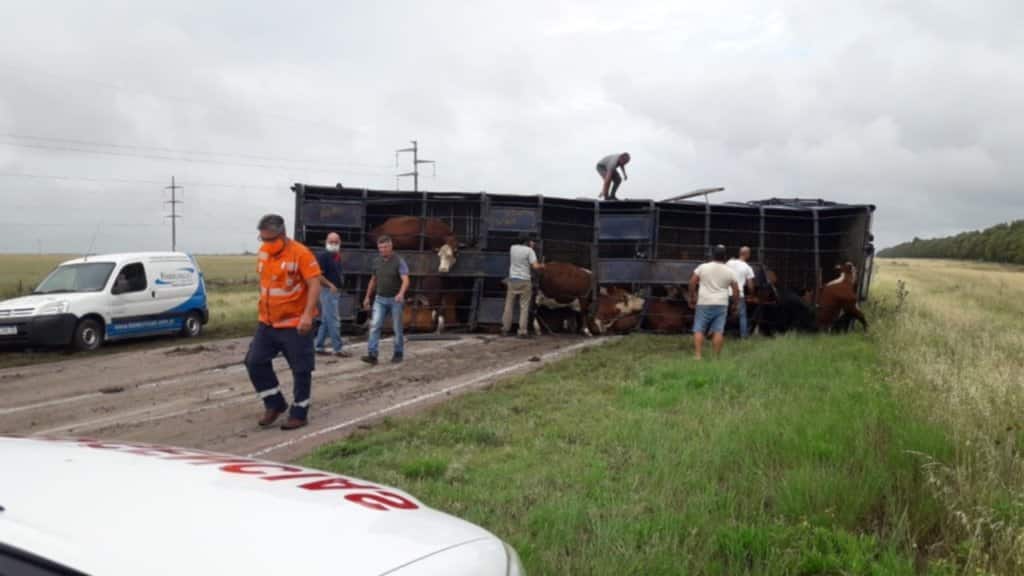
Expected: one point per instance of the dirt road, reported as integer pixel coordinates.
(199, 396)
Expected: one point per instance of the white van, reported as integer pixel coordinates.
(87, 301)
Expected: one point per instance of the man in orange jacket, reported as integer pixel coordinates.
(289, 293)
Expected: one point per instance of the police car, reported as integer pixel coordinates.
(87, 301)
(84, 506)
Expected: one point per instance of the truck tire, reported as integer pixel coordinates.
(193, 325)
(88, 335)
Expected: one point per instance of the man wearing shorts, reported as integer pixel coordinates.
(711, 305)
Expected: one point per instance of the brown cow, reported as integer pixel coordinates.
(429, 307)
(405, 232)
(667, 315)
(564, 285)
(618, 311)
(840, 296)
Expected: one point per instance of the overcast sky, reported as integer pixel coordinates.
(912, 106)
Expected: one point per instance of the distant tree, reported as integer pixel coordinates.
(1000, 243)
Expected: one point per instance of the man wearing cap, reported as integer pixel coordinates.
(289, 293)
(522, 261)
(711, 307)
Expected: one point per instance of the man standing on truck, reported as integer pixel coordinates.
(289, 291)
(330, 294)
(608, 168)
(522, 261)
(390, 281)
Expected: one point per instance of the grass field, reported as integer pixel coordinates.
(232, 296)
(889, 453)
(22, 272)
(897, 452)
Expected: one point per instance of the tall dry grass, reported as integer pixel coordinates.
(956, 349)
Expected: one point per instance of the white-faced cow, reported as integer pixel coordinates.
(564, 295)
(839, 297)
(405, 233)
(618, 311)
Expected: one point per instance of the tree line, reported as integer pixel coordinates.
(1001, 243)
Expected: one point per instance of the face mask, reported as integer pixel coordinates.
(332, 248)
(274, 246)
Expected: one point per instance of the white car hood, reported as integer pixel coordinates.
(34, 301)
(109, 508)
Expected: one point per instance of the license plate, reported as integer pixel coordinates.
(8, 330)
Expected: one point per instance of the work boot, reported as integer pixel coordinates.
(294, 423)
(270, 416)
(372, 360)
(397, 359)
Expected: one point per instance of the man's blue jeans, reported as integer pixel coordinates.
(329, 325)
(381, 306)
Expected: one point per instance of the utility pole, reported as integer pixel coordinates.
(415, 173)
(174, 212)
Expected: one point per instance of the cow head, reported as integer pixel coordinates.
(447, 253)
(630, 304)
(847, 273)
(623, 303)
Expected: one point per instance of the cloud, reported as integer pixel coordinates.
(911, 106)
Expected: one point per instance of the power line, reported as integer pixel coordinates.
(189, 160)
(207, 153)
(147, 226)
(145, 182)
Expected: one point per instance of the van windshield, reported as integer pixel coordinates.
(85, 277)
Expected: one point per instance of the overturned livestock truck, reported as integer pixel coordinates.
(647, 247)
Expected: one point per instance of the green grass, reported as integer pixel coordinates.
(22, 272)
(789, 456)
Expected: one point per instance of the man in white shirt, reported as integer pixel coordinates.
(711, 308)
(522, 261)
(745, 279)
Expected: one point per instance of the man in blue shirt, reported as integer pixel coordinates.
(331, 281)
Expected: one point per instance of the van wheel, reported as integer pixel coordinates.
(88, 335)
(193, 325)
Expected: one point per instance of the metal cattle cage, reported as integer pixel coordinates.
(646, 246)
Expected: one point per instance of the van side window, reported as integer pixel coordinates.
(132, 278)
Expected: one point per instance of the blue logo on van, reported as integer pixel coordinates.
(180, 277)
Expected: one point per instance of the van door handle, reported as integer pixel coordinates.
(153, 293)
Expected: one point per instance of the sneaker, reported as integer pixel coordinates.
(369, 359)
(396, 359)
(343, 354)
(321, 351)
